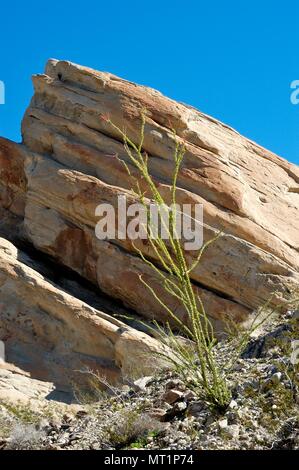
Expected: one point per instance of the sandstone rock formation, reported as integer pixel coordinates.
(57, 337)
(69, 162)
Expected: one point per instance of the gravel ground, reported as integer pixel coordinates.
(163, 413)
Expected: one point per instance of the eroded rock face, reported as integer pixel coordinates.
(69, 162)
(16, 386)
(55, 336)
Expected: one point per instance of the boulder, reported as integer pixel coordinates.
(69, 162)
(246, 191)
(56, 337)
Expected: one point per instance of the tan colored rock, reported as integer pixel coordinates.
(60, 220)
(18, 387)
(53, 336)
(247, 192)
(52, 190)
(63, 196)
(51, 135)
(220, 165)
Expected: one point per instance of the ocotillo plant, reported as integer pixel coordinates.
(197, 363)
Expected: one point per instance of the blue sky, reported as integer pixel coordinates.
(233, 60)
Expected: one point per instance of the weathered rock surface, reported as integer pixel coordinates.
(54, 336)
(69, 162)
(16, 386)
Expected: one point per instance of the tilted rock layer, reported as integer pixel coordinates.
(55, 335)
(69, 162)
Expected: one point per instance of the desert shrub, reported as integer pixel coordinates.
(197, 363)
(131, 427)
(25, 437)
